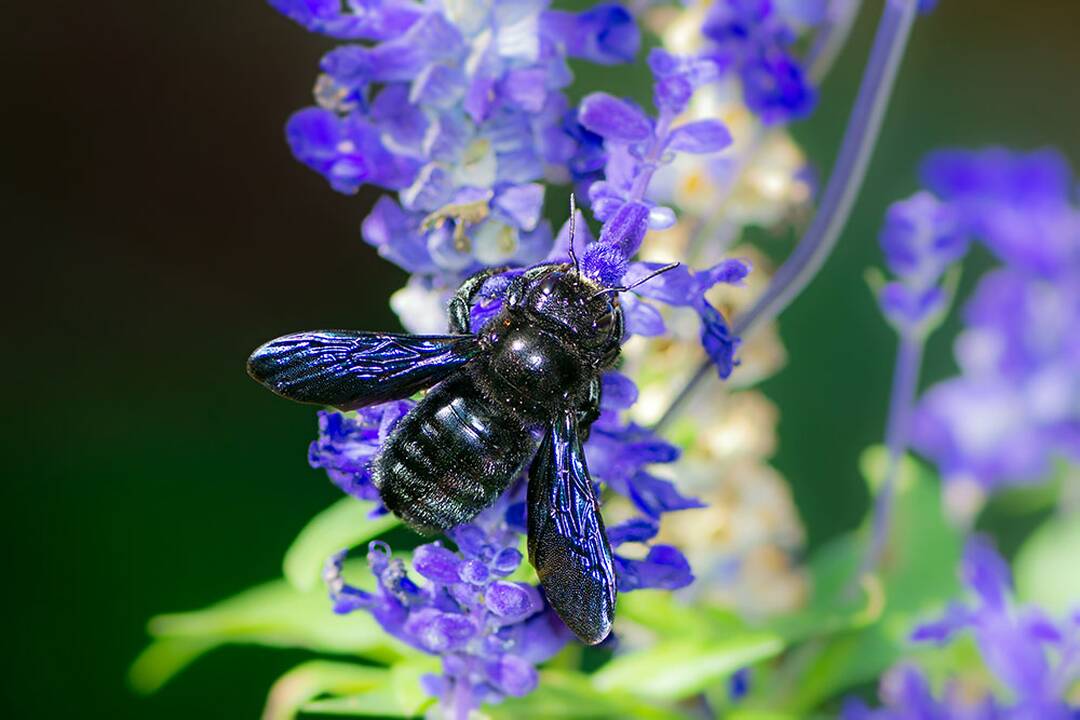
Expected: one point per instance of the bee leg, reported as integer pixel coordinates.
(589, 410)
(465, 297)
(619, 330)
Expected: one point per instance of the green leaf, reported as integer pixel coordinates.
(398, 694)
(662, 613)
(345, 524)
(380, 702)
(571, 695)
(405, 682)
(273, 614)
(679, 669)
(917, 577)
(305, 682)
(1046, 565)
(163, 659)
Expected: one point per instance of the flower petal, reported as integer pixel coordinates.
(437, 563)
(720, 345)
(619, 392)
(638, 529)
(614, 119)
(512, 602)
(605, 34)
(702, 136)
(665, 567)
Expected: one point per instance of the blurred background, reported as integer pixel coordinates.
(161, 230)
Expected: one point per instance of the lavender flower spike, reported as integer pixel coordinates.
(489, 632)
(921, 239)
(1015, 407)
(1034, 657)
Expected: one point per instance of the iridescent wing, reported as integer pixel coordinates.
(568, 544)
(350, 369)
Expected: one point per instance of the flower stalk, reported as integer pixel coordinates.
(897, 437)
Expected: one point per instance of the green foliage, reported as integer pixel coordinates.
(917, 576)
(1046, 566)
(310, 680)
(678, 669)
(345, 524)
(850, 631)
(273, 614)
(393, 692)
(573, 695)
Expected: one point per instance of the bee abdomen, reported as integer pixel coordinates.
(450, 457)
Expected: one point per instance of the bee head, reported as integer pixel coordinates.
(567, 302)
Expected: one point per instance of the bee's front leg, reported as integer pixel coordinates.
(589, 410)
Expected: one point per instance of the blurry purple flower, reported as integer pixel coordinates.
(921, 239)
(907, 695)
(365, 19)
(605, 34)
(1018, 204)
(1016, 404)
(775, 87)
(1037, 659)
(754, 37)
(739, 684)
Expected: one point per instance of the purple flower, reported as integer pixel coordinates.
(1018, 204)
(1016, 404)
(346, 445)
(606, 34)
(489, 632)
(907, 695)
(1037, 659)
(349, 151)
(921, 239)
(754, 37)
(461, 112)
(364, 20)
(684, 287)
(636, 146)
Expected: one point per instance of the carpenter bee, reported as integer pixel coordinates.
(526, 387)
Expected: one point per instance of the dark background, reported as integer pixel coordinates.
(156, 230)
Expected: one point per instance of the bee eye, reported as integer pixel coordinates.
(548, 284)
(605, 322)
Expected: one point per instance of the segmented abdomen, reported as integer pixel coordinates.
(450, 457)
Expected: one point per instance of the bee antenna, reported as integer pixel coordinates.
(570, 247)
(647, 278)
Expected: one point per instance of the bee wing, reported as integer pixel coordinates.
(349, 369)
(568, 544)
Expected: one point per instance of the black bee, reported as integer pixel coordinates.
(525, 388)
